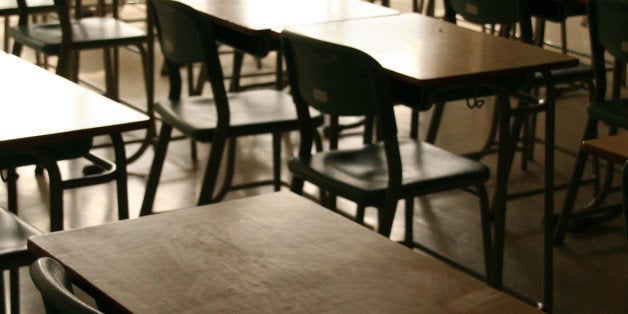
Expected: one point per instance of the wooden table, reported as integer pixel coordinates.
(276, 252)
(429, 54)
(39, 107)
(254, 26)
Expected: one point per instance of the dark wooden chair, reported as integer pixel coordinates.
(342, 81)
(56, 290)
(557, 11)
(608, 20)
(100, 170)
(9, 8)
(13, 254)
(186, 37)
(70, 35)
(506, 16)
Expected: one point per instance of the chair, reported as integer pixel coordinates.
(186, 37)
(100, 170)
(55, 287)
(342, 81)
(66, 37)
(557, 11)
(607, 21)
(9, 8)
(13, 254)
(506, 15)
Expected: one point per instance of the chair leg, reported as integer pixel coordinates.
(359, 214)
(110, 57)
(155, 169)
(574, 183)
(297, 185)
(492, 136)
(238, 57)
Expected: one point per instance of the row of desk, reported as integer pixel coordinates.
(279, 252)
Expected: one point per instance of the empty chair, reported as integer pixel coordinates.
(68, 36)
(557, 11)
(100, 171)
(507, 16)
(187, 37)
(14, 232)
(342, 81)
(608, 20)
(55, 287)
(9, 8)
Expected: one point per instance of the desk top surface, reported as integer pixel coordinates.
(277, 252)
(39, 106)
(253, 17)
(427, 52)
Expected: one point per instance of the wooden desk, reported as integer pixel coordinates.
(429, 54)
(254, 26)
(39, 107)
(276, 252)
(269, 17)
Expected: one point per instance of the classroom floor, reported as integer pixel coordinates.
(590, 268)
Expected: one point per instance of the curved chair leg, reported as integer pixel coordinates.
(238, 57)
(149, 85)
(574, 184)
(155, 169)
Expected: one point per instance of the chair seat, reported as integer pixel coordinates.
(88, 33)
(362, 174)
(13, 235)
(57, 151)
(613, 112)
(251, 112)
(581, 72)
